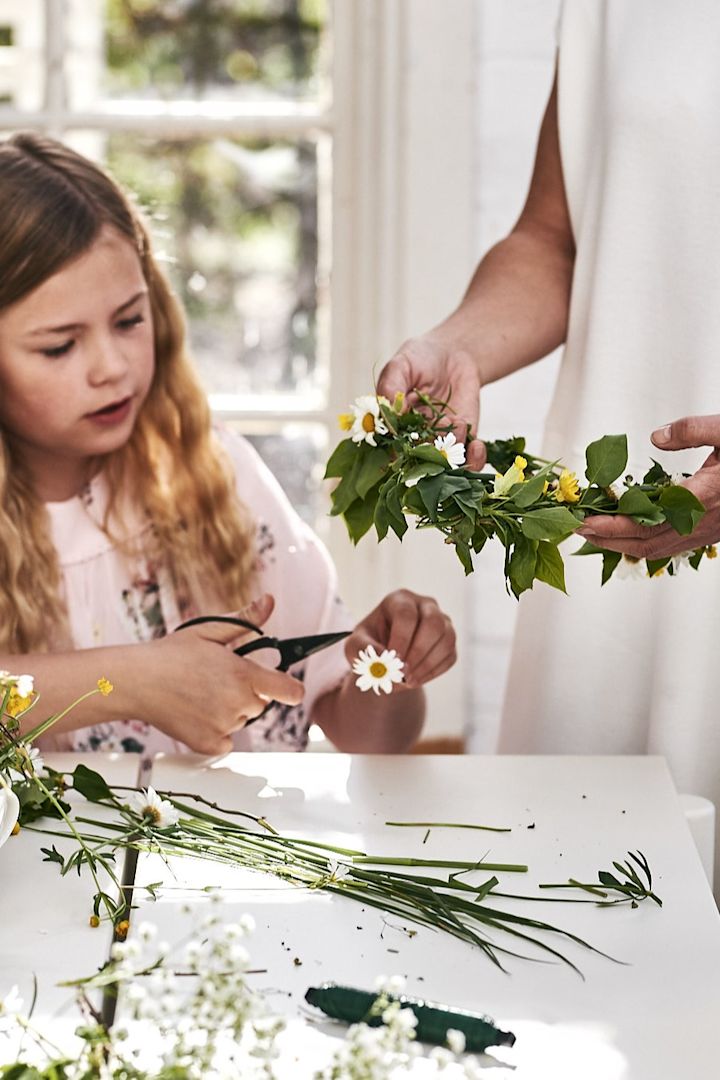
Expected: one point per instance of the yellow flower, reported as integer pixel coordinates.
(104, 686)
(398, 402)
(659, 572)
(567, 488)
(15, 829)
(514, 475)
(94, 921)
(121, 929)
(345, 420)
(17, 704)
(711, 551)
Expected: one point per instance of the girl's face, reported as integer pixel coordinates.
(76, 363)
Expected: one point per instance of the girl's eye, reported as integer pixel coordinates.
(134, 320)
(59, 350)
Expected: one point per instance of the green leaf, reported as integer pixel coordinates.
(342, 459)
(606, 459)
(638, 505)
(529, 492)
(91, 784)
(371, 470)
(418, 472)
(653, 565)
(656, 474)
(682, 509)
(550, 524)
(521, 566)
(345, 494)
(549, 566)
(463, 553)
(53, 855)
(611, 560)
(359, 517)
(426, 452)
(430, 489)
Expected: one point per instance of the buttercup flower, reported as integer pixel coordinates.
(451, 449)
(711, 551)
(377, 672)
(367, 421)
(567, 489)
(514, 475)
(148, 805)
(346, 420)
(104, 686)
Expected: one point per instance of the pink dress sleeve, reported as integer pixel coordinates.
(296, 569)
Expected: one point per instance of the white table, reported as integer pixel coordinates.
(653, 1018)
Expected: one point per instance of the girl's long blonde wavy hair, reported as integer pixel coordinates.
(54, 204)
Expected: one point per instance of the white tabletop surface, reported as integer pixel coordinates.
(653, 1017)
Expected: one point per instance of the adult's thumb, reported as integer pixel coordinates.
(687, 432)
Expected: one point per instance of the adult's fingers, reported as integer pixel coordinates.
(688, 431)
(397, 377)
(620, 527)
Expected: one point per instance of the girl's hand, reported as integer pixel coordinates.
(416, 628)
(193, 687)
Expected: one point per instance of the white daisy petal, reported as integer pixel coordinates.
(451, 449)
(377, 672)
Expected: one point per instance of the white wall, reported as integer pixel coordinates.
(515, 59)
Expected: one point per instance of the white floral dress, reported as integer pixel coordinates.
(113, 602)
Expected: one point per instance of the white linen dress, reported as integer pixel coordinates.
(634, 667)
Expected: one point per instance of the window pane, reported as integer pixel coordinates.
(22, 67)
(244, 49)
(296, 453)
(237, 221)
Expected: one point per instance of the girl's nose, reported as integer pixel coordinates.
(108, 362)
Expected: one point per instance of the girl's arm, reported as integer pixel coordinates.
(423, 637)
(189, 685)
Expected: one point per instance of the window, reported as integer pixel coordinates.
(215, 114)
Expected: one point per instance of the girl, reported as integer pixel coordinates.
(122, 514)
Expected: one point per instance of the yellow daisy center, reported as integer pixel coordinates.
(153, 813)
(378, 669)
(368, 422)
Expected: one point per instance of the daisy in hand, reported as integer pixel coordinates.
(377, 672)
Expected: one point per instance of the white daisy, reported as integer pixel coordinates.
(367, 421)
(630, 567)
(377, 672)
(148, 804)
(680, 560)
(451, 449)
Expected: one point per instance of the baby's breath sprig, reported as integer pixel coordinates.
(399, 466)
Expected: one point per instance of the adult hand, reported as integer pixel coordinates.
(659, 541)
(415, 627)
(447, 374)
(195, 689)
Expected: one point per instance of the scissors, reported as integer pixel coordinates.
(291, 650)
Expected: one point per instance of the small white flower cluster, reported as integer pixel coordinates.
(391, 1050)
(204, 1023)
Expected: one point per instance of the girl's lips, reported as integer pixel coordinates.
(112, 414)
